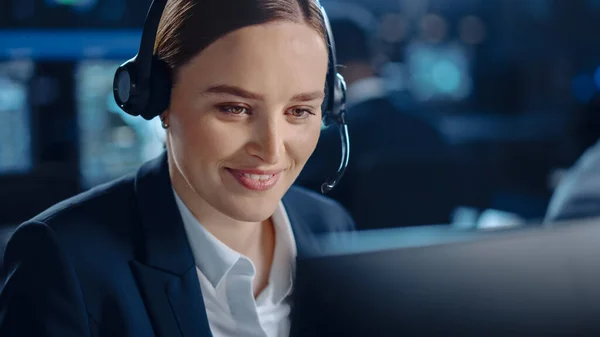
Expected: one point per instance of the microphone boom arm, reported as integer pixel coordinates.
(330, 183)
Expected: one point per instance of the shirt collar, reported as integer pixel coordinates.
(284, 258)
(215, 259)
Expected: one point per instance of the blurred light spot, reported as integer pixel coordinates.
(393, 28)
(446, 76)
(78, 5)
(584, 88)
(433, 28)
(597, 78)
(63, 2)
(438, 71)
(12, 95)
(123, 137)
(425, 59)
(495, 219)
(21, 70)
(471, 30)
(414, 8)
(395, 76)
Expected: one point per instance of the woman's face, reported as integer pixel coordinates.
(244, 118)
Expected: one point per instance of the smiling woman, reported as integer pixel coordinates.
(258, 130)
(202, 240)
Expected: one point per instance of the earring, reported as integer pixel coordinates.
(164, 124)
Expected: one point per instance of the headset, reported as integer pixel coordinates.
(142, 85)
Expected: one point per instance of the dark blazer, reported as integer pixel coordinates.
(115, 261)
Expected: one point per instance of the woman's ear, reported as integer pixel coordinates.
(164, 119)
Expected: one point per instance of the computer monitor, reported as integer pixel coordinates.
(15, 128)
(522, 282)
(112, 143)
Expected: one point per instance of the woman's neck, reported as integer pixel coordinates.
(243, 237)
(256, 241)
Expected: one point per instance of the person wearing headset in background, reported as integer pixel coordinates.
(202, 240)
(380, 129)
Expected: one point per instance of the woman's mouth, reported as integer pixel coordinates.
(256, 180)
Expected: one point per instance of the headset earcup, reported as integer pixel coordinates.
(160, 90)
(124, 88)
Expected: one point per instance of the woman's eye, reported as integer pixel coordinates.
(301, 113)
(234, 110)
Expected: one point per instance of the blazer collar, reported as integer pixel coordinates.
(165, 244)
(165, 270)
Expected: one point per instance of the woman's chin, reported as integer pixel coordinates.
(252, 216)
(252, 210)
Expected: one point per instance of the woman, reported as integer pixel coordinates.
(201, 240)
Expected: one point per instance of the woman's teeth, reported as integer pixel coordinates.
(259, 176)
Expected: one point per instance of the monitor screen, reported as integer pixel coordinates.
(113, 143)
(15, 129)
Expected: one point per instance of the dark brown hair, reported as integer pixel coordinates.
(189, 26)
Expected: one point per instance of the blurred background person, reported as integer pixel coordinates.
(380, 130)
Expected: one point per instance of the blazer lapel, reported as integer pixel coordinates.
(174, 302)
(165, 270)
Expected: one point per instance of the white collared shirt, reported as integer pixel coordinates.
(226, 281)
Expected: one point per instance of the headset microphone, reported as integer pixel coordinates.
(335, 107)
(330, 183)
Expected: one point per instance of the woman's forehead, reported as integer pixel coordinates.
(270, 53)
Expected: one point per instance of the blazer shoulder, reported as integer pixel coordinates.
(90, 232)
(103, 211)
(103, 199)
(312, 205)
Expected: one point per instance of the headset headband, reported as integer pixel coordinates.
(146, 51)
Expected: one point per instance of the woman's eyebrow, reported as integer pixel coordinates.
(233, 90)
(243, 93)
(308, 96)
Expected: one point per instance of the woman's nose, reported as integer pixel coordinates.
(268, 142)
